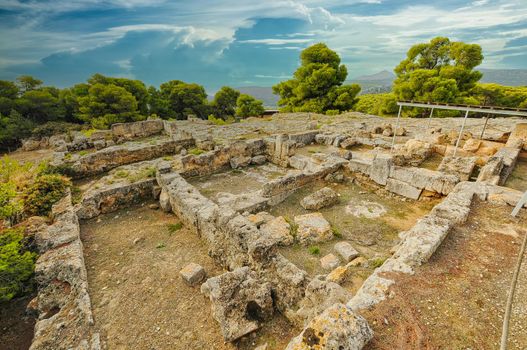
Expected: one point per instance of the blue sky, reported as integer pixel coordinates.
(237, 42)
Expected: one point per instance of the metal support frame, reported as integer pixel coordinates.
(396, 127)
(430, 118)
(484, 127)
(460, 133)
(519, 205)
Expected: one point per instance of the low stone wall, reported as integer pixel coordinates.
(134, 130)
(410, 182)
(421, 241)
(65, 318)
(108, 158)
(292, 182)
(499, 166)
(218, 159)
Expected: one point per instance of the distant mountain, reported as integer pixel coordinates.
(509, 77)
(375, 83)
(263, 93)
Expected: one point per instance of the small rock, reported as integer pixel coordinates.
(279, 230)
(346, 251)
(193, 273)
(261, 347)
(357, 261)
(154, 206)
(329, 262)
(138, 240)
(338, 275)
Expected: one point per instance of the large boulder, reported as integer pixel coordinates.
(313, 228)
(239, 302)
(320, 199)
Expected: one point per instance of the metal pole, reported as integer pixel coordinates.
(396, 126)
(460, 133)
(484, 127)
(430, 118)
(519, 205)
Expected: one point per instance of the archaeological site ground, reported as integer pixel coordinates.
(294, 231)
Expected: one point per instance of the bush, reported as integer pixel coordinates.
(376, 104)
(55, 128)
(44, 192)
(332, 112)
(216, 121)
(17, 264)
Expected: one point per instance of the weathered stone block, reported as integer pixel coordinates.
(403, 189)
(320, 199)
(313, 228)
(380, 169)
(329, 262)
(346, 251)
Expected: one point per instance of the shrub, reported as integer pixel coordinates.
(332, 112)
(314, 250)
(216, 121)
(17, 264)
(44, 192)
(55, 128)
(10, 206)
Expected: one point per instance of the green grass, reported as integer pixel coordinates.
(375, 263)
(293, 226)
(161, 245)
(83, 153)
(196, 151)
(314, 250)
(336, 231)
(173, 228)
(121, 174)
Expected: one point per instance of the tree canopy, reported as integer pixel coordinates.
(248, 106)
(439, 71)
(317, 84)
(224, 103)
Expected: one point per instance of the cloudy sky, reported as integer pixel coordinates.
(240, 42)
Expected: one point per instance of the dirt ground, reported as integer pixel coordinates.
(16, 327)
(140, 301)
(457, 299)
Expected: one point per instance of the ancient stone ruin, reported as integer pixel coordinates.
(290, 212)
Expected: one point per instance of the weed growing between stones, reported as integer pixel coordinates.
(196, 151)
(314, 250)
(173, 228)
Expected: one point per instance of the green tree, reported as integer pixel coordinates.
(438, 71)
(499, 95)
(185, 99)
(377, 104)
(136, 87)
(248, 106)
(27, 83)
(224, 103)
(13, 128)
(107, 104)
(317, 84)
(40, 105)
(8, 95)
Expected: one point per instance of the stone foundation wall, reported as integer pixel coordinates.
(112, 157)
(65, 318)
(499, 166)
(410, 182)
(421, 241)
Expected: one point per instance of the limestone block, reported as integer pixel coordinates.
(380, 169)
(346, 251)
(258, 160)
(338, 327)
(279, 230)
(329, 262)
(403, 189)
(313, 228)
(320, 199)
